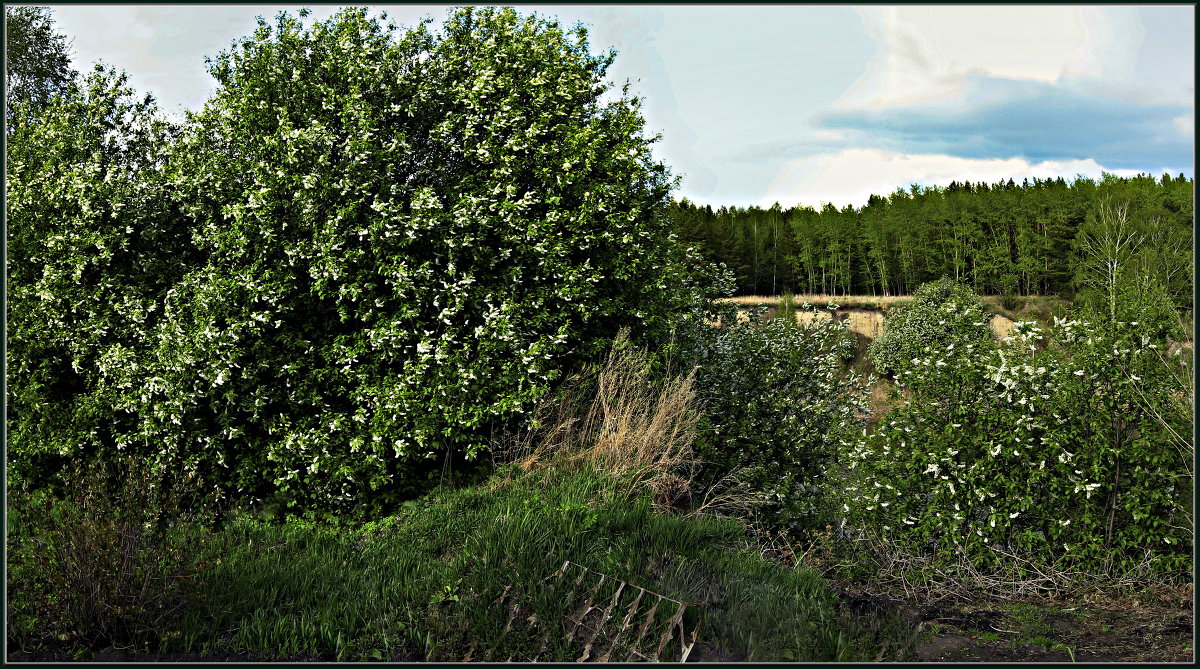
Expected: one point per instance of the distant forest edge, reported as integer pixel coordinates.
(1002, 239)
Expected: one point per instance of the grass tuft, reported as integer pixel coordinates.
(621, 421)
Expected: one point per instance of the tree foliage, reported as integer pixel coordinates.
(1131, 272)
(1004, 238)
(393, 246)
(37, 60)
(94, 244)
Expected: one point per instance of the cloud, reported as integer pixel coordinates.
(1186, 125)
(925, 54)
(634, 32)
(1166, 71)
(1032, 120)
(851, 176)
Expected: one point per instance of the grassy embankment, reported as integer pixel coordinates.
(463, 573)
(446, 576)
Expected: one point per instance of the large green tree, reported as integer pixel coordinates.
(408, 240)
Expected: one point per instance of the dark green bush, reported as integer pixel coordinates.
(941, 313)
(108, 562)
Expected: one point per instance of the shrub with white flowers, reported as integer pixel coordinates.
(1059, 452)
(941, 313)
(93, 245)
(403, 242)
(778, 404)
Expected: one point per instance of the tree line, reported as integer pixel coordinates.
(1004, 238)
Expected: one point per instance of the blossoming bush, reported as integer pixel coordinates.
(778, 403)
(93, 245)
(393, 246)
(941, 313)
(1056, 454)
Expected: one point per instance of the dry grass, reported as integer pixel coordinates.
(1029, 307)
(879, 302)
(620, 421)
(866, 312)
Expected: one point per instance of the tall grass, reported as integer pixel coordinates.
(463, 573)
(618, 420)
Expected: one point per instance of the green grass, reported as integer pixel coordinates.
(424, 584)
(1031, 620)
(989, 636)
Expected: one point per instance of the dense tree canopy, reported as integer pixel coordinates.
(382, 249)
(1003, 238)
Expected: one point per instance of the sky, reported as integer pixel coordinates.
(807, 104)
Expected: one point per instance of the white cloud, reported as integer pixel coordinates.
(925, 53)
(1186, 125)
(853, 175)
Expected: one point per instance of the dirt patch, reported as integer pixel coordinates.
(865, 322)
(806, 317)
(1000, 326)
(1115, 630)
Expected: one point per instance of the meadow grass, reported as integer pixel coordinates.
(865, 313)
(424, 584)
(879, 302)
(1041, 308)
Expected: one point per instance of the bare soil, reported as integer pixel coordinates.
(1155, 626)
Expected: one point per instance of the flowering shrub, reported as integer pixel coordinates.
(94, 243)
(393, 246)
(1053, 453)
(777, 404)
(941, 313)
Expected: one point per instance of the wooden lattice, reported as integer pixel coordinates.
(616, 620)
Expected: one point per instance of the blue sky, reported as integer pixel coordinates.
(805, 104)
